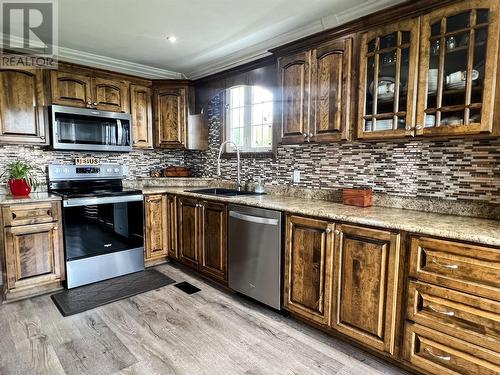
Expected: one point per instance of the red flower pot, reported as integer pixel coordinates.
(19, 187)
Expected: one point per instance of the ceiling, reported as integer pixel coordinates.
(212, 35)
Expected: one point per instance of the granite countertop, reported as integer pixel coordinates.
(463, 228)
(32, 198)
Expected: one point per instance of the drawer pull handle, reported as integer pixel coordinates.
(14, 215)
(450, 266)
(441, 357)
(448, 313)
(49, 213)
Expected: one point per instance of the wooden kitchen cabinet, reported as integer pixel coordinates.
(454, 52)
(202, 236)
(171, 201)
(331, 88)
(71, 89)
(388, 80)
(188, 227)
(315, 93)
(32, 255)
(155, 212)
(170, 111)
(308, 267)
(459, 69)
(213, 246)
(22, 101)
(295, 84)
(89, 91)
(110, 94)
(141, 111)
(365, 287)
(436, 353)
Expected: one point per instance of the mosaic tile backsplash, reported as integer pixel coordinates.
(140, 162)
(456, 169)
(453, 170)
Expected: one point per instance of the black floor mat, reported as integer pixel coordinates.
(74, 301)
(187, 288)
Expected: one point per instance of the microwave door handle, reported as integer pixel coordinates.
(119, 131)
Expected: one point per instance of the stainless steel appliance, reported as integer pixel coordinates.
(90, 129)
(254, 252)
(102, 222)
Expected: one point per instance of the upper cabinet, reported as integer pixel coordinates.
(81, 90)
(142, 116)
(315, 93)
(458, 69)
(388, 80)
(22, 101)
(110, 94)
(295, 84)
(170, 117)
(331, 91)
(455, 53)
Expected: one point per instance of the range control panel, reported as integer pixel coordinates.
(59, 172)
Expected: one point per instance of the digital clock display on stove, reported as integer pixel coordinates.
(87, 170)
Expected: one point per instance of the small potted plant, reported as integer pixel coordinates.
(21, 178)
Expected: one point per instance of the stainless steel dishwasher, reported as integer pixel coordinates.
(254, 252)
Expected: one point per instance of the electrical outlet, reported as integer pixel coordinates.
(296, 176)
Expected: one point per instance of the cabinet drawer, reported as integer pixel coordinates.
(25, 214)
(437, 353)
(469, 268)
(460, 315)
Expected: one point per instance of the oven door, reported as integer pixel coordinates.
(102, 225)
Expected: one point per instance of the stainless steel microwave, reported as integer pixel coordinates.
(86, 129)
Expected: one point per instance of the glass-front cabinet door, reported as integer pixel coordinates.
(459, 56)
(388, 80)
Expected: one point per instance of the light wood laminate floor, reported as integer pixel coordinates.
(166, 331)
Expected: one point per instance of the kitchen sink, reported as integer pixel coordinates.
(222, 192)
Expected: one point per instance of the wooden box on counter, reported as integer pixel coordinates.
(357, 197)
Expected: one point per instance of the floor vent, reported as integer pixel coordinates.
(187, 288)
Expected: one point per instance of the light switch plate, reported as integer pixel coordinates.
(296, 176)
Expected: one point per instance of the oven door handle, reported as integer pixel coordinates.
(75, 202)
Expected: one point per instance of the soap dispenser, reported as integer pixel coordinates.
(259, 188)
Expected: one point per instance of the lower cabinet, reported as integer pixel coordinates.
(155, 250)
(308, 267)
(366, 285)
(202, 233)
(32, 254)
(345, 279)
(453, 307)
(171, 206)
(213, 235)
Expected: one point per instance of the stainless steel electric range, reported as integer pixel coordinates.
(102, 222)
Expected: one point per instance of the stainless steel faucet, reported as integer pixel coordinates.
(237, 155)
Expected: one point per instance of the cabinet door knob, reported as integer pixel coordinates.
(95, 103)
(337, 232)
(328, 230)
(305, 135)
(418, 127)
(311, 135)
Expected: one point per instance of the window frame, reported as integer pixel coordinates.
(246, 150)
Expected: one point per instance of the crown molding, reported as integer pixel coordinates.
(103, 62)
(115, 65)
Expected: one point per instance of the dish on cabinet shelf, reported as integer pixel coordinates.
(385, 88)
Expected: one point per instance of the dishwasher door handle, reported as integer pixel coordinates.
(253, 219)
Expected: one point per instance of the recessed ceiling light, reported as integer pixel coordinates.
(172, 39)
